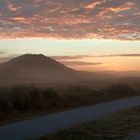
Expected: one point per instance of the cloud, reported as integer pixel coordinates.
(2, 52)
(79, 63)
(75, 57)
(121, 55)
(69, 19)
(69, 57)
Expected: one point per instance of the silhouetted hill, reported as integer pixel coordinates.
(35, 62)
(34, 69)
(42, 70)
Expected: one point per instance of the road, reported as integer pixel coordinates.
(135, 137)
(39, 126)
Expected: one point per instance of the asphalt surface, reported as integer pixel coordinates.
(32, 128)
(135, 137)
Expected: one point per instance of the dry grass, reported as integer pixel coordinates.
(23, 102)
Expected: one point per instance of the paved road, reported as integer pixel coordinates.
(35, 127)
(135, 137)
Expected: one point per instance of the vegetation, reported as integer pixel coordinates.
(21, 102)
(118, 126)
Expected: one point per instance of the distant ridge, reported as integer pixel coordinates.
(35, 60)
(32, 68)
(42, 70)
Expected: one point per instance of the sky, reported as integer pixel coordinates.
(92, 35)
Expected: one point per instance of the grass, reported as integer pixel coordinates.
(24, 102)
(118, 126)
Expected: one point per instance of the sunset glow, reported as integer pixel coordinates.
(89, 35)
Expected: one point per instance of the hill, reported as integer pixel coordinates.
(40, 70)
(29, 68)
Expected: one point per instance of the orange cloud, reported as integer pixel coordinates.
(12, 7)
(104, 19)
(124, 7)
(93, 5)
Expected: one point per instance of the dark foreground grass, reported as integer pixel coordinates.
(117, 126)
(24, 102)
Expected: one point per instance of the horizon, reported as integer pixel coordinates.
(85, 35)
(58, 59)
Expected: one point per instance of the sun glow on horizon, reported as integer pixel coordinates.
(69, 29)
(93, 50)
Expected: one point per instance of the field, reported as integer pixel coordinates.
(23, 102)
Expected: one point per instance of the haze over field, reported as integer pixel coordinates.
(41, 70)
